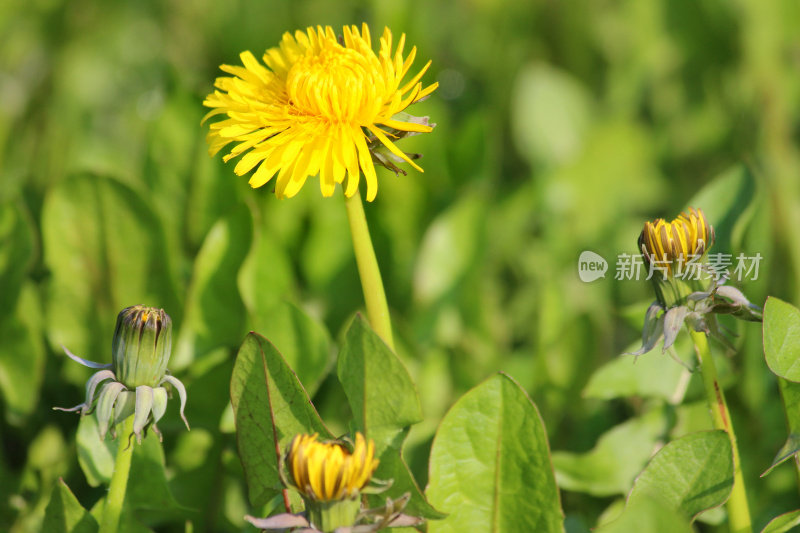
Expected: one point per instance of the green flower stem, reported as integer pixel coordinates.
(119, 480)
(738, 510)
(368, 271)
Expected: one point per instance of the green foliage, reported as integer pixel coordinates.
(271, 407)
(783, 523)
(490, 464)
(619, 455)
(561, 127)
(65, 514)
(782, 338)
(690, 474)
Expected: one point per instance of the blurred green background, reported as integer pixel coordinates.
(562, 127)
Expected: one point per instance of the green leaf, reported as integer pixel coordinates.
(22, 356)
(619, 455)
(215, 313)
(728, 204)
(65, 514)
(647, 515)
(490, 464)
(790, 394)
(105, 251)
(384, 402)
(148, 487)
(783, 523)
(95, 456)
(17, 246)
(654, 376)
(448, 249)
(302, 341)
(381, 394)
(270, 408)
(782, 338)
(690, 474)
(551, 114)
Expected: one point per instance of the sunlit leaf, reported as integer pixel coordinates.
(105, 251)
(270, 408)
(690, 474)
(783, 523)
(490, 464)
(215, 314)
(384, 403)
(619, 455)
(22, 356)
(782, 338)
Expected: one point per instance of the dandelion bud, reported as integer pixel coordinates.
(141, 346)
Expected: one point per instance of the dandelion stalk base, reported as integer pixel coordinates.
(738, 510)
(119, 480)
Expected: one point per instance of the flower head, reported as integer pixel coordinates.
(327, 471)
(133, 383)
(320, 106)
(330, 477)
(674, 244)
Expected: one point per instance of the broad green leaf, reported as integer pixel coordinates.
(17, 245)
(327, 248)
(648, 515)
(384, 402)
(266, 277)
(382, 396)
(551, 113)
(22, 356)
(105, 251)
(690, 474)
(619, 455)
(301, 340)
(655, 375)
(790, 394)
(448, 249)
(270, 407)
(215, 314)
(782, 338)
(65, 514)
(95, 456)
(783, 523)
(148, 487)
(727, 202)
(490, 464)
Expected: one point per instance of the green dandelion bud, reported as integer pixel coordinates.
(141, 346)
(134, 383)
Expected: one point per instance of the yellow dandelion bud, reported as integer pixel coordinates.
(321, 105)
(674, 244)
(674, 252)
(330, 478)
(326, 471)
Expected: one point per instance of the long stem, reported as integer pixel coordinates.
(368, 271)
(119, 480)
(738, 510)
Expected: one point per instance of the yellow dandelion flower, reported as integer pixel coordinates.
(327, 471)
(672, 244)
(319, 106)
